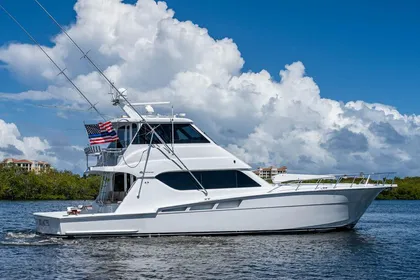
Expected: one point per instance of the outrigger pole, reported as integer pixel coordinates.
(85, 55)
(52, 60)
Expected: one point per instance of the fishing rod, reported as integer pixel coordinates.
(85, 55)
(52, 60)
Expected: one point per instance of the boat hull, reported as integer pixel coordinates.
(269, 213)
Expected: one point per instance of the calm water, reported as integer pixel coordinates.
(385, 244)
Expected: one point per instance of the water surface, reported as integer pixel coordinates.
(384, 244)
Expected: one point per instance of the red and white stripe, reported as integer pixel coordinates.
(106, 126)
(103, 140)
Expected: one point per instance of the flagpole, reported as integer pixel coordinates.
(87, 155)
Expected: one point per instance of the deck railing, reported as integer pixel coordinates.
(104, 157)
(381, 178)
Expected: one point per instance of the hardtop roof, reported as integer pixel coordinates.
(163, 119)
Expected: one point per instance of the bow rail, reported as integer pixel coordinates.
(357, 179)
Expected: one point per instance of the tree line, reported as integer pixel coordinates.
(408, 189)
(17, 184)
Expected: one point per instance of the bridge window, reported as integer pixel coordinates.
(125, 134)
(217, 179)
(183, 133)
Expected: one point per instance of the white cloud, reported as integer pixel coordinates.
(58, 152)
(62, 115)
(12, 144)
(145, 49)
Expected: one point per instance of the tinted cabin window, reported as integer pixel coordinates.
(180, 180)
(243, 181)
(183, 133)
(122, 140)
(134, 128)
(186, 133)
(222, 179)
(218, 179)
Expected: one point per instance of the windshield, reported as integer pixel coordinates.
(183, 133)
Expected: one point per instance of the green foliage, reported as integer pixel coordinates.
(16, 184)
(408, 189)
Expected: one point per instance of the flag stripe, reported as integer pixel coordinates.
(104, 139)
(102, 134)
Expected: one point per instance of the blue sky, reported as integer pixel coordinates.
(354, 50)
(358, 50)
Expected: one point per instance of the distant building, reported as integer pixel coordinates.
(268, 172)
(27, 165)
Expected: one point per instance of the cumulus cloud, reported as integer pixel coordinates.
(145, 49)
(12, 144)
(61, 154)
(11, 150)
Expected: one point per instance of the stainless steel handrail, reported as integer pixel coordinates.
(365, 178)
(105, 157)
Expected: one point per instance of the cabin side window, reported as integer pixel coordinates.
(125, 133)
(186, 133)
(215, 179)
(183, 133)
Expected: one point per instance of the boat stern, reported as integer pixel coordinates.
(49, 222)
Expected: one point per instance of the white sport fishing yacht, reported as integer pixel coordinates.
(164, 176)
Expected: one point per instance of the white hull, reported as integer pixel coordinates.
(274, 212)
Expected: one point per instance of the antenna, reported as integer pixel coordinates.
(120, 93)
(61, 107)
(52, 60)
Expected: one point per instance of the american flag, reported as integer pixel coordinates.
(101, 133)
